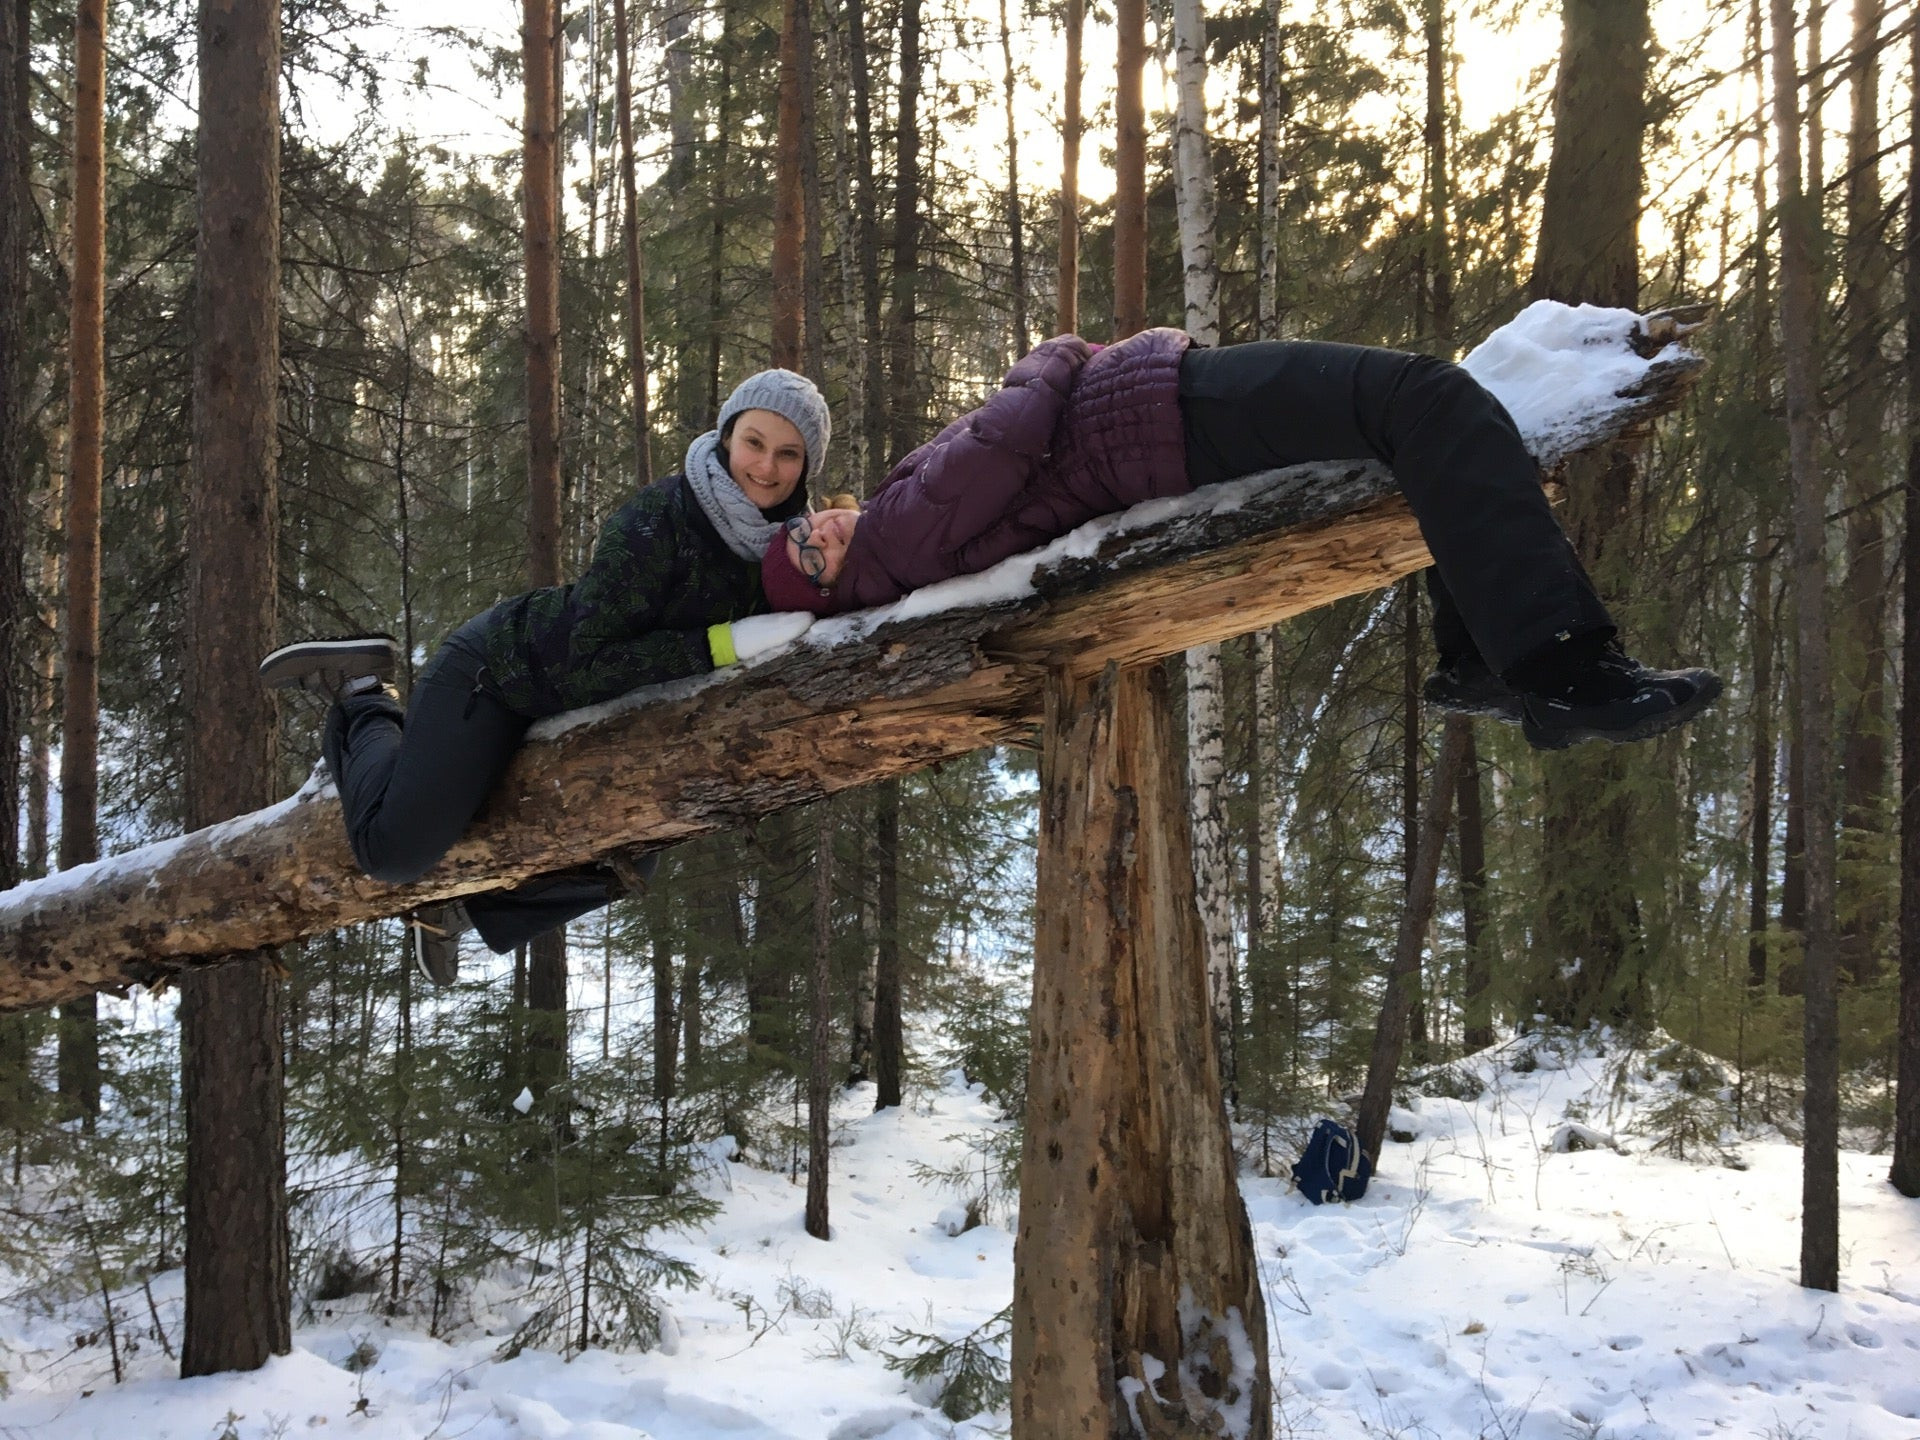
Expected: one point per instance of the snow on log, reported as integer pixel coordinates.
(947, 670)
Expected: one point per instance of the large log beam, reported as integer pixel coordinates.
(860, 699)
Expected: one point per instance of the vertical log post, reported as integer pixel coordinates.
(1137, 1305)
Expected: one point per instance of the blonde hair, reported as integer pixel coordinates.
(845, 500)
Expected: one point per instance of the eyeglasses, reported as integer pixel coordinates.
(813, 560)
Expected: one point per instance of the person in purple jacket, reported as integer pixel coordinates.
(1078, 430)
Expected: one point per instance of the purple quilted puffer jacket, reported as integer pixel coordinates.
(1075, 431)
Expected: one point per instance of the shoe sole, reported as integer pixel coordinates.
(424, 967)
(1541, 737)
(290, 665)
(1505, 713)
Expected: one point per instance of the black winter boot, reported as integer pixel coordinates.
(1463, 685)
(1589, 688)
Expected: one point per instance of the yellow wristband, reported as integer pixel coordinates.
(720, 642)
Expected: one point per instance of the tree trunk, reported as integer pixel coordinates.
(716, 235)
(1589, 251)
(15, 613)
(1130, 170)
(789, 206)
(1403, 979)
(889, 1039)
(819, 1050)
(1066, 320)
(873, 370)
(232, 1079)
(1267, 183)
(630, 239)
(79, 1042)
(1820, 1192)
(1016, 239)
(1136, 1287)
(1206, 720)
(1765, 645)
(903, 416)
(1410, 819)
(1439, 249)
(1475, 933)
(1905, 1173)
(1860, 677)
(539, 39)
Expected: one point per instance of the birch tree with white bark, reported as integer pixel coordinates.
(1206, 747)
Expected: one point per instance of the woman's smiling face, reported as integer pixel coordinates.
(766, 456)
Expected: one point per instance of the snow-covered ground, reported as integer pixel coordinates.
(1488, 1285)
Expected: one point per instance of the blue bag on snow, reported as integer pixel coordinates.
(1333, 1166)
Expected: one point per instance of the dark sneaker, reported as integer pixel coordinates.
(1621, 701)
(1463, 685)
(326, 667)
(436, 931)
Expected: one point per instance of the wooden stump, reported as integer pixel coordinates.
(1137, 1304)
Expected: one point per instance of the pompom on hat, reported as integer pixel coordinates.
(786, 587)
(792, 397)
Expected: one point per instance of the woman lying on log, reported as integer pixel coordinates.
(673, 589)
(1079, 430)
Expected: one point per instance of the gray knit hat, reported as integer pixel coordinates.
(791, 396)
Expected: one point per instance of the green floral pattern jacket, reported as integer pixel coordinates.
(638, 615)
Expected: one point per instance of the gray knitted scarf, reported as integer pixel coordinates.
(741, 525)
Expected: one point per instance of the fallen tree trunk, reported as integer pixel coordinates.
(858, 700)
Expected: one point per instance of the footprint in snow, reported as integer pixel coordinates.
(1863, 1337)
(895, 1422)
(1903, 1401)
(1329, 1376)
(1624, 1342)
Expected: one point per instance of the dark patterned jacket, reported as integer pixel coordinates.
(1075, 431)
(638, 614)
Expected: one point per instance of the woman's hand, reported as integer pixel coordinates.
(755, 636)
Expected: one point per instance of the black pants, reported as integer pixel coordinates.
(1505, 581)
(410, 784)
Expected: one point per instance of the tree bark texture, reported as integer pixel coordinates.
(1589, 252)
(1439, 251)
(1403, 979)
(1130, 170)
(873, 360)
(789, 208)
(1273, 101)
(79, 1029)
(540, 152)
(15, 604)
(831, 713)
(630, 240)
(540, 241)
(1206, 709)
(231, 1069)
(903, 409)
(1137, 1304)
(1905, 1172)
(1820, 1176)
(1067, 282)
(820, 1029)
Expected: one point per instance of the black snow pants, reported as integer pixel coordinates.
(411, 782)
(1505, 580)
